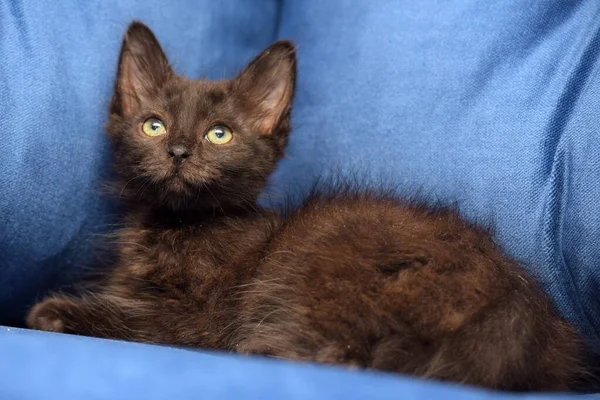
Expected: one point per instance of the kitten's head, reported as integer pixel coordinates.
(189, 144)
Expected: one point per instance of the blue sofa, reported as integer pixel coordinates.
(494, 104)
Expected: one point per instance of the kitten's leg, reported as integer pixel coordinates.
(91, 315)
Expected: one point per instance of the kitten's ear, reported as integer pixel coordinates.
(143, 69)
(267, 84)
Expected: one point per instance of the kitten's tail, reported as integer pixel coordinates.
(516, 343)
(513, 344)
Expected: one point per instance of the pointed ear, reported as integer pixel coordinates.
(143, 69)
(267, 84)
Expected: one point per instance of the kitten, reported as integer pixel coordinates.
(352, 277)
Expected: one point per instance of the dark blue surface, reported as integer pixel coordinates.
(39, 365)
(491, 103)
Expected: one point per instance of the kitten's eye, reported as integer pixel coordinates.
(219, 134)
(154, 127)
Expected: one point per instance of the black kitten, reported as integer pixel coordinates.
(351, 277)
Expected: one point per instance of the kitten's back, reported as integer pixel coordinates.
(367, 279)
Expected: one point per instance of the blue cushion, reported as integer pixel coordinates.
(494, 104)
(57, 67)
(40, 365)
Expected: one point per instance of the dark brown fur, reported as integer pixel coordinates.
(352, 276)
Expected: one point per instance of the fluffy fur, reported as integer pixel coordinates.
(353, 276)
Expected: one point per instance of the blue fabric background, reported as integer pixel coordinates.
(490, 103)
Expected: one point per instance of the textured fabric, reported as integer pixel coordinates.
(57, 65)
(493, 104)
(45, 366)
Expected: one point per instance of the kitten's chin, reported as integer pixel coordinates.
(177, 184)
(177, 190)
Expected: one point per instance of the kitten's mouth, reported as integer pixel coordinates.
(176, 182)
(180, 184)
(181, 181)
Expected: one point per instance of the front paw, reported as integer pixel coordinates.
(49, 315)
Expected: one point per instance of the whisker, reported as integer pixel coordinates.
(135, 244)
(127, 183)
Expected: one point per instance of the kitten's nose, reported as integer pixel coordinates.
(179, 151)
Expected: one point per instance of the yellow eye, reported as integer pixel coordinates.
(219, 134)
(154, 127)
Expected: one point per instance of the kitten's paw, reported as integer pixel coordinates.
(47, 315)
